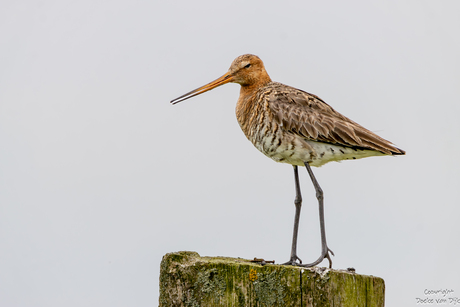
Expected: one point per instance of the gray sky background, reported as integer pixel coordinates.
(100, 176)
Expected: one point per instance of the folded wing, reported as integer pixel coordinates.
(310, 117)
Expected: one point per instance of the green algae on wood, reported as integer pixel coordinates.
(186, 279)
(326, 287)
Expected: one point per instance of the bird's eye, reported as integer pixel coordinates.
(247, 66)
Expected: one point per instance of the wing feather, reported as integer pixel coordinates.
(306, 115)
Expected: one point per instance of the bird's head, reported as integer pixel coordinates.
(247, 70)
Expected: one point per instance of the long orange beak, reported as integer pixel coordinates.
(218, 82)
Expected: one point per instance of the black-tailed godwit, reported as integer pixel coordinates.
(291, 126)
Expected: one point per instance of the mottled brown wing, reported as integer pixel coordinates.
(307, 115)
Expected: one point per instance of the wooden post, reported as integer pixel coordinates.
(188, 280)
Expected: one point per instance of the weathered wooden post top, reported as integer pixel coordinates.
(187, 279)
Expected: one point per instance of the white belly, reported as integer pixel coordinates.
(296, 151)
(327, 152)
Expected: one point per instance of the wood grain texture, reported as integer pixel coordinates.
(186, 279)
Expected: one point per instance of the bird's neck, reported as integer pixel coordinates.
(248, 105)
(249, 89)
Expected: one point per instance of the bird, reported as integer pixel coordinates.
(295, 127)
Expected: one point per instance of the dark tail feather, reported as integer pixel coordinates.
(399, 152)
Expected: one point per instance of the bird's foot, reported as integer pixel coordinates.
(325, 255)
(328, 256)
(293, 261)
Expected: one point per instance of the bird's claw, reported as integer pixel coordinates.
(293, 261)
(326, 255)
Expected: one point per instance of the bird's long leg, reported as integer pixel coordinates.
(319, 195)
(298, 205)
